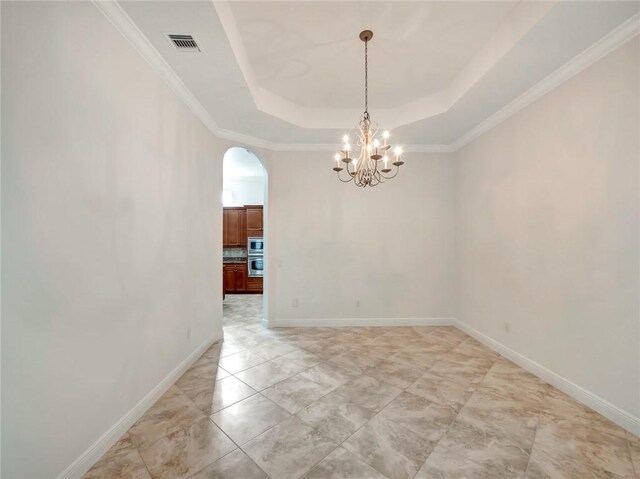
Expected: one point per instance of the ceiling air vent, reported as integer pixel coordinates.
(183, 43)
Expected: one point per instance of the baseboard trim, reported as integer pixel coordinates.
(355, 322)
(608, 410)
(88, 458)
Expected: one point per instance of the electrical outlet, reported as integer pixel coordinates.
(295, 303)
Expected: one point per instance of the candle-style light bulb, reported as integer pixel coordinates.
(385, 135)
(345, 138)
(398, 151)
(386, 162)
(337, 158)
(376, 143)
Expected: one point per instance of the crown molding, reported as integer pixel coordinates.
(127, 27)
(616, 38)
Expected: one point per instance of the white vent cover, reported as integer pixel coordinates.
(183, 43)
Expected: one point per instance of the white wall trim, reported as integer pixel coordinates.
(616, 38)
(608, 410)
(351, 322)
(127, 27)
(89, 457)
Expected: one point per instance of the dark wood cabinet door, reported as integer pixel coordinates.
(242, 228)
(241, 278)
(234, 226)
(235, 277)
(254, 284)
(225, 227)
(254, 217)
(228, 278)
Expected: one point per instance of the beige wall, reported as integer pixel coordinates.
(111, 224)
(331, 245)
(111, 214)
(547, 230)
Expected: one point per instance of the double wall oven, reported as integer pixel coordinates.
(255, 256)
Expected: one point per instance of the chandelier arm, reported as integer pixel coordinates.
(348, 171)
(344, 181)
(392, 176)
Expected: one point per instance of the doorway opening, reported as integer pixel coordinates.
(244, 193)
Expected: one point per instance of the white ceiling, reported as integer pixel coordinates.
(309, 53)
(290, 73)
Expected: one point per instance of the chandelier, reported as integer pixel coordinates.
(372, 165)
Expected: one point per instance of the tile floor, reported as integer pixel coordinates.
(365, 403)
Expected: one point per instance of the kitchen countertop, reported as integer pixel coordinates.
(232, 259)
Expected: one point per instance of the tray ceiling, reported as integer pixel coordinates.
(291, 72)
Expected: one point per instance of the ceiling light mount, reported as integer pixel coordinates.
(366, 171)
(366, 35)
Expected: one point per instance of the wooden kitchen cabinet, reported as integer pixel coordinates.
(254, 221)
(235, 277)
(234, 227)
(254, 284)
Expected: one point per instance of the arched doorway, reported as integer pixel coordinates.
(244, 198)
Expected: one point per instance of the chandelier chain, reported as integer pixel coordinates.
(366, 79)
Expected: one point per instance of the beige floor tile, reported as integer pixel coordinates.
(397, 374)
(122, 461)
(551, 466)
(483, 416)
(565, 443)
(559, 406)
(234, 363)
(634, 446)
(220, 394)
(354, 362)
(201, 375)
(442, 390)
(420, 415)
(513, 419)
(248, 418)
(273, 349)
(341, 464)
(302, 358)
(183, 453)
(166, 416)
(507, 378)
(213, 353)
(335, 416)
(327, 375)
(266, 374)
(289, 450)
(235, 465)
(295, 393)
(462, 371)
(369, 393)
(327, 349)
(390, 448)
(469, 452)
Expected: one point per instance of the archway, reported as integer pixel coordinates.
(244, 200)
